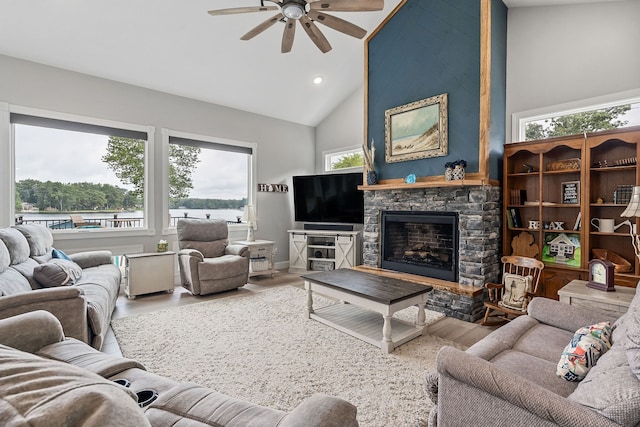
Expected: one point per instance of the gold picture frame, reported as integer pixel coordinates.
(417, 130)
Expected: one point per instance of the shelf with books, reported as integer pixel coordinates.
(571, 180)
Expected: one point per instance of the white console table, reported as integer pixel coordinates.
(576, 292)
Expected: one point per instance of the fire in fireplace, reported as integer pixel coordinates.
(419, 242)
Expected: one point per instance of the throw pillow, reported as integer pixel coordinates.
(584, 350)
(57, 253)
(515, 291)
(57, 272)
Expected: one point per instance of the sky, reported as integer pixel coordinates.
(76, 158)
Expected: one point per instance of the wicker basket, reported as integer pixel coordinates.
(621, 264)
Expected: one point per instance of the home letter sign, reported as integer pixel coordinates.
(273, 188)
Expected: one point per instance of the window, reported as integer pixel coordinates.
(344, 159)
(586, 116)
(208, 177)
(71, 175)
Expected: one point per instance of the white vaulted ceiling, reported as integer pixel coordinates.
(176, 47)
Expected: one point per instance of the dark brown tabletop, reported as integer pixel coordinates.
(377, 288)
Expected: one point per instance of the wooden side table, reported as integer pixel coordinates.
(261, 257)
(576, 292)
(149, 272)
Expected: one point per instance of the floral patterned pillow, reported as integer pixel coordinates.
(584, 350)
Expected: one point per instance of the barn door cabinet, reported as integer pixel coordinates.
(318, 250)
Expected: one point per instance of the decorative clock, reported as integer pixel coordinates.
(601, 275)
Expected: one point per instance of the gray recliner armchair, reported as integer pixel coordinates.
(208, 263)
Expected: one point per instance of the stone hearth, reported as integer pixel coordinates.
(479, 245)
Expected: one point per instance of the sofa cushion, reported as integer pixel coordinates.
(222, 267)
(40, 392)
(40, 238)
(584, 350)
(516, 288)
(611, 389)
(17, 245)
(5, 259)
(543, 341)
(534, 369)
(12, 282)
(57, 272)
(193, 405)
(100, 286)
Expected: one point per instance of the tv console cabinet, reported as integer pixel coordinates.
(320, 250)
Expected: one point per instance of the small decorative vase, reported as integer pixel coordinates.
(457, 173)
(372, 178)
(448, 174)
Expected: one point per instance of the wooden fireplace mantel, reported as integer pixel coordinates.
(428, 182)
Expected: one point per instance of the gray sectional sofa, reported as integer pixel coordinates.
(47, 379)
(509, 377)
(83, 304)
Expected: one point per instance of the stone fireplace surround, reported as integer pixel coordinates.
(479, 245)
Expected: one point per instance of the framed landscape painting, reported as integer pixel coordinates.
(417, 130)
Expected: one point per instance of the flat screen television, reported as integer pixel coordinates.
(330, 198)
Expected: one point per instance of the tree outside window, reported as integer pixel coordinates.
(583, 122)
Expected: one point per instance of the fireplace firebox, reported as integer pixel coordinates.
(420, 242)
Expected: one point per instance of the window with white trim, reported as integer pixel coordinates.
(343, 159)
(208, 178)
(590, 117)
(72, 175)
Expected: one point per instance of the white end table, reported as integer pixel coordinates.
(261, 256)
(149, 272)
(576, 292)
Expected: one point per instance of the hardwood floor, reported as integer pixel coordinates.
(455, 330)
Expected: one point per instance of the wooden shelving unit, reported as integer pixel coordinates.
(563, 178)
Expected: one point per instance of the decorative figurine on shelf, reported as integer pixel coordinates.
(455, 170)
(369, 163)
(410, 179)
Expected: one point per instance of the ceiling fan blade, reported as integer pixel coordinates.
(287, 36)
(338, 24)
(315, 34)
(260, 28)
(347, 5)
(234, 10)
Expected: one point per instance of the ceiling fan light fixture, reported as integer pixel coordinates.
(293, 10)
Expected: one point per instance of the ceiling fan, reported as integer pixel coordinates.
(307, 13)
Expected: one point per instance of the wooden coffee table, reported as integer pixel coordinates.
(369, 303)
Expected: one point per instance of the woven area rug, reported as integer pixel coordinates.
(260, 347)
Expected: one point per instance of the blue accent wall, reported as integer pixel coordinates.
(427, 48)
(497, 135)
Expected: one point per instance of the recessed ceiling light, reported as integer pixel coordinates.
(318, 80)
